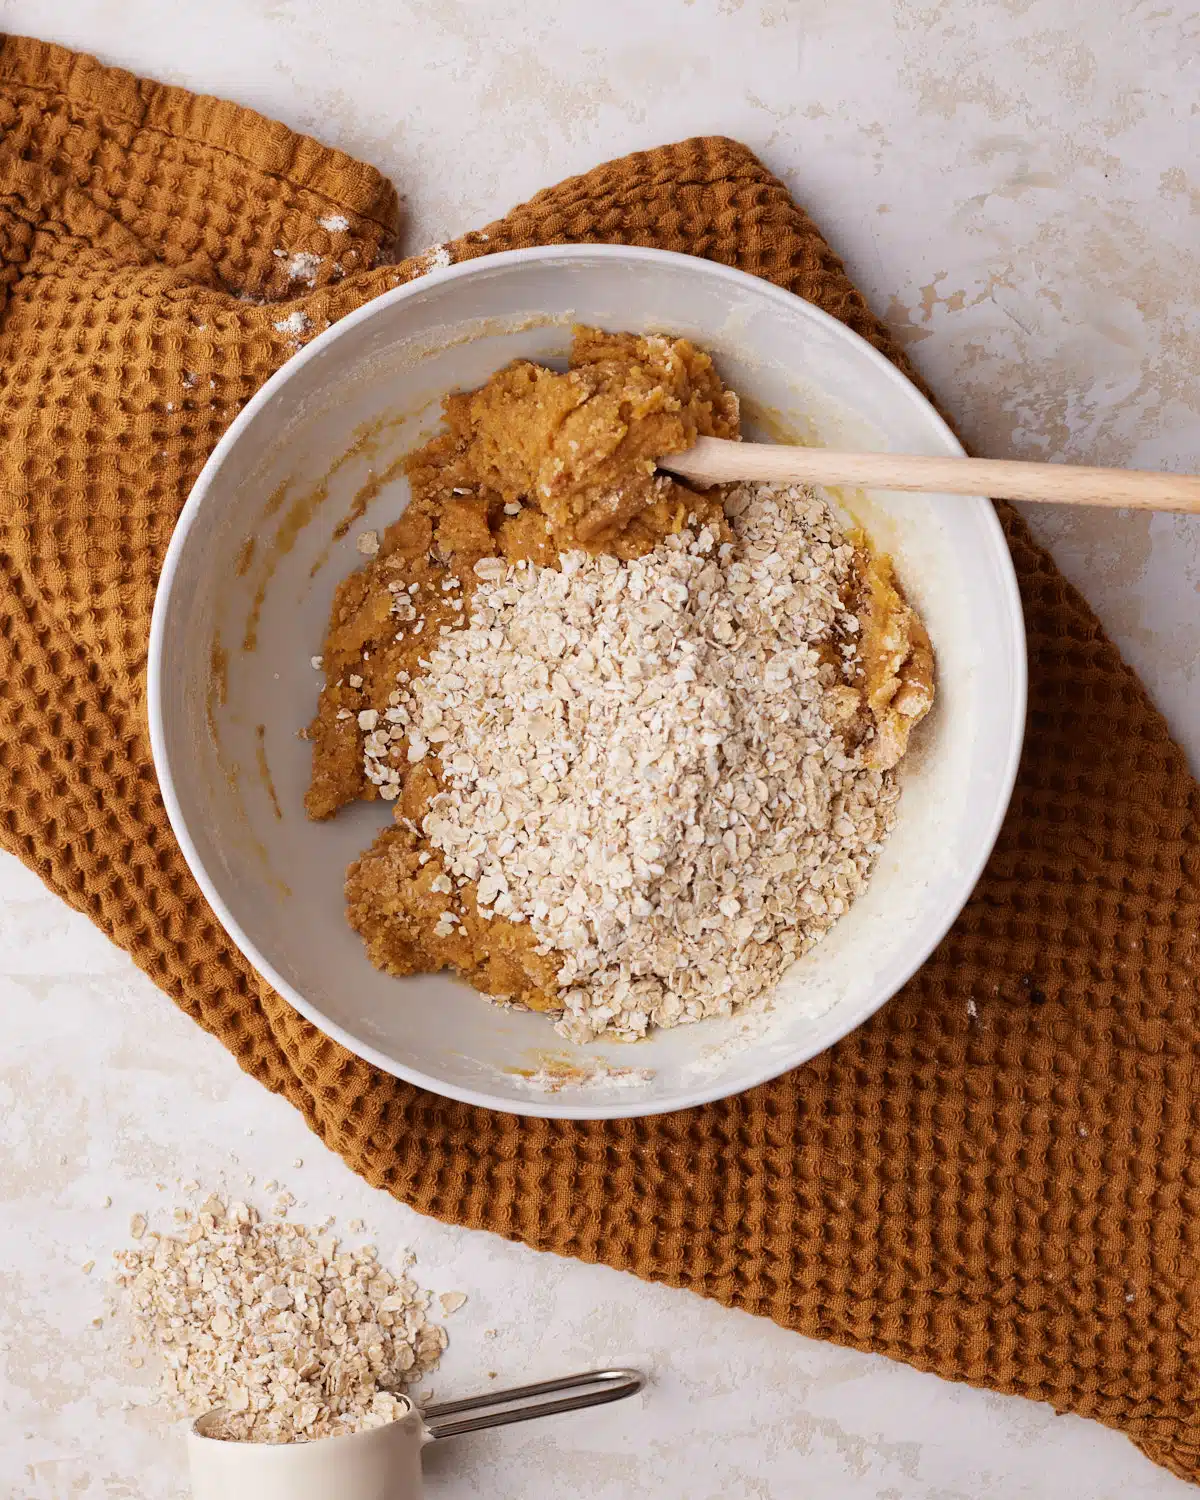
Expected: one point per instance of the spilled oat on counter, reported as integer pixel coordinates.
(640, 740)
(289, 1331)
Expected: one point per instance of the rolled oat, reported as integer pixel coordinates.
(295, 1336)
(649, 760)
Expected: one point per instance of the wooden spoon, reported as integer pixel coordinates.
(717, 461)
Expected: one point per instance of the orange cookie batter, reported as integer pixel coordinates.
(532, 464)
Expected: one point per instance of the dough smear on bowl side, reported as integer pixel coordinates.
(640, 741)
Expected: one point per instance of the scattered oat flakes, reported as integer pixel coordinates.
(296, 1336)
(87, 1267)
(303, 266)
(436, 258)
(317, 663)
(452, 1301)
(137, 1226)
(295, 324)
(368, 543)
(648, 762)
(299, 1162)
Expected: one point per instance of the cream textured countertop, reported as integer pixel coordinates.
(1010, 184)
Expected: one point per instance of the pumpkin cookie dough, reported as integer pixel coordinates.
(638, 740)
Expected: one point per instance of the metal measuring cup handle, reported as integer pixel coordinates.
(523, 1403)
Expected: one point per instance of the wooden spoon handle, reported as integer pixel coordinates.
(716, 461)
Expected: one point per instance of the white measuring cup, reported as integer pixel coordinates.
(381, 1463)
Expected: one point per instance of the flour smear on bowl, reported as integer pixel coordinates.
(640, 742)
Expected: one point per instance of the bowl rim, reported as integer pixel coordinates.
(553, 1106)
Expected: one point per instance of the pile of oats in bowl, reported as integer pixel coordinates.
(640, 741)
(294, 1335)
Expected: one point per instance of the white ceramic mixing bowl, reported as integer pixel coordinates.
(244, 599)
